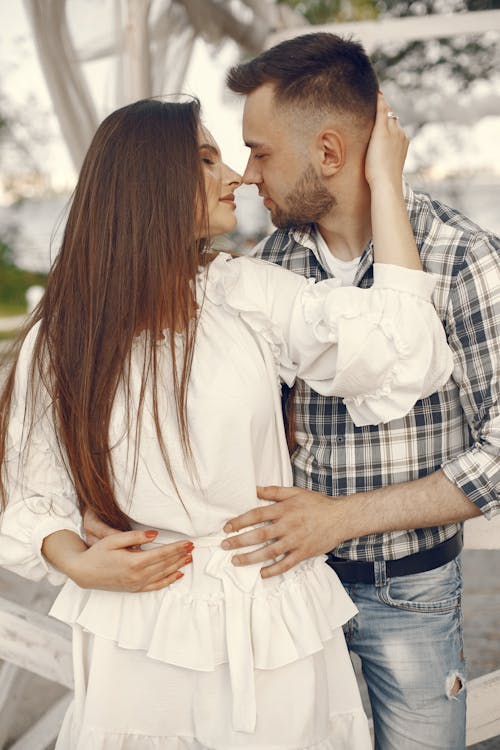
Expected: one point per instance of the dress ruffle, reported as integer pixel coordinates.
(221, 282)
(289, 616)
(219, 613)
(347, 731)
(325, 310)
(324, 307)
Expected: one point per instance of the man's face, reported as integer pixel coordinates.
(279, 163)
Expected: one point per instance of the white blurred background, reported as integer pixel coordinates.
(67, 63)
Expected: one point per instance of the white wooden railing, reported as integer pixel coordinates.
(41, 645)
(483, 693)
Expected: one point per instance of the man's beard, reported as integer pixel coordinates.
(306, 203)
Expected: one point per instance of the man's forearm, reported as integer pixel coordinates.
(430, 501)
(302, 524)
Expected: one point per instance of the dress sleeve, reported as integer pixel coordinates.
(381, 349)
(40, 495)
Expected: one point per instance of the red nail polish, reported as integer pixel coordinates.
(189, 546)
(151, 534)
(188, 560)
(179, 575)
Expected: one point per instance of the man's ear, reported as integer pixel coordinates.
(331, 150)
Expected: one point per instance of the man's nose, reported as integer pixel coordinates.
(251, 175)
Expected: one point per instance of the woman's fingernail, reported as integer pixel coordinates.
(235, 560)
(225, 545)
(188, 559)
(228, 527)
(179, 575)
(189, 546)
(151, 534)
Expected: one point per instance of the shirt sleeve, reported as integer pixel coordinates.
(40, 495)
(381, 349)
(474, 335)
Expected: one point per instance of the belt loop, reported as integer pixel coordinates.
(380, 573)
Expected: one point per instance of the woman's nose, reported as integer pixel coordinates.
(233, 178)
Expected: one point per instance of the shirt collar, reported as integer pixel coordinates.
(306, 237)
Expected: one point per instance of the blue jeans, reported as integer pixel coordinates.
(408, 635)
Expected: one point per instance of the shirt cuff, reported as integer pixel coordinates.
(475, 473)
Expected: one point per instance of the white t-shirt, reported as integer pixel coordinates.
(345, 270)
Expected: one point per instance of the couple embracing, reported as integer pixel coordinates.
(146, 395)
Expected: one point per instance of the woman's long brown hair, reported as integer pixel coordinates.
(127, 264)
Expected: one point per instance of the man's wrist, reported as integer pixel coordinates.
(361, 514)
(344, 519)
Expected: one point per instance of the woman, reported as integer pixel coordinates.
(147, 389)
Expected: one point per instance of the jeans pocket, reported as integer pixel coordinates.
(430, 592)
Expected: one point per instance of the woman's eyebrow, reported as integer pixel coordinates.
(210, 148)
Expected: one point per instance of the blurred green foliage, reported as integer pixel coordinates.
(14, 282)
(462, 59)
(326, 11)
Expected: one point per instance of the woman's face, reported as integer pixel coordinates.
(220, 184)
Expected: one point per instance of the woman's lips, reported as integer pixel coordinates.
(229, 199)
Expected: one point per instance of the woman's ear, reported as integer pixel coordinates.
(332, 151)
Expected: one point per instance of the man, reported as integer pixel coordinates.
(385, 502)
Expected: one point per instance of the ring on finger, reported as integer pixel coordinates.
(392, 116)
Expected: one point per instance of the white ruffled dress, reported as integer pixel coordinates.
(223, 659)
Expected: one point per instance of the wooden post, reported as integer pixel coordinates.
(483, 708)
(137, 52)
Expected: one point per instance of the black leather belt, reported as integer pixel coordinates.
(357, 571)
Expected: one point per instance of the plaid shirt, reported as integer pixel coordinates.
(456, 429)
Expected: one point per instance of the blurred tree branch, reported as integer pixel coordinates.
(152, 42)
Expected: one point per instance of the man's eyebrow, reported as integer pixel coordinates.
(253, 144)
(210, 148)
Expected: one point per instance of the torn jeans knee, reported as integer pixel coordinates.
(455, 683)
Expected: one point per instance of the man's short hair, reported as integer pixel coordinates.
(317, 72)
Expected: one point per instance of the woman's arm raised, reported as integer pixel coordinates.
(393, 239)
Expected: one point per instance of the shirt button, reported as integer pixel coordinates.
(340, 439)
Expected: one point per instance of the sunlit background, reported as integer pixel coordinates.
(65, 64)
(447, 91)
